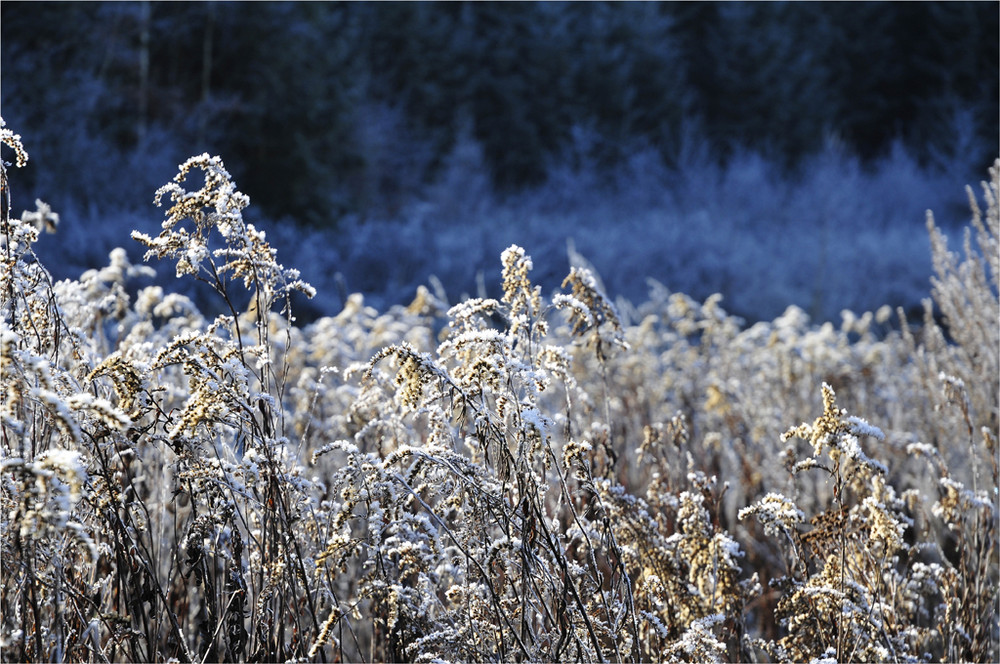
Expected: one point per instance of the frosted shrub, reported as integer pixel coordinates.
(522, 478)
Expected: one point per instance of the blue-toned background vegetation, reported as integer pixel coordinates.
(777, 153)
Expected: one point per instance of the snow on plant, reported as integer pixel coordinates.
(218, 206)
(515, 478)
(776, 513)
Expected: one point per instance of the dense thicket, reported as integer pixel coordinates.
(332, 108)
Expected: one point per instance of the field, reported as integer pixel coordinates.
(522, 478)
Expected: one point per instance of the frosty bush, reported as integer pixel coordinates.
(520, 478)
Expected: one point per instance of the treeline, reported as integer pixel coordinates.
(332, 108)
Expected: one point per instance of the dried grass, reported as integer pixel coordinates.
(513, 479)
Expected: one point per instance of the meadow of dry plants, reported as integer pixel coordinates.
(561, 478)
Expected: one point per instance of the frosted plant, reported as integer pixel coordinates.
(775, 513)
(698, 643)
(591, 311)
(967, 293)
(501, 479)
(218, 206)
(43, 218)
(836, 434)
(854, 587)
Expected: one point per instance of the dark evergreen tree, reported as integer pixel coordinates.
(308, 101)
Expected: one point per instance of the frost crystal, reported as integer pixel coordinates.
(775, 512)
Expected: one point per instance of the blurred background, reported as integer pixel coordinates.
(778, 153)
